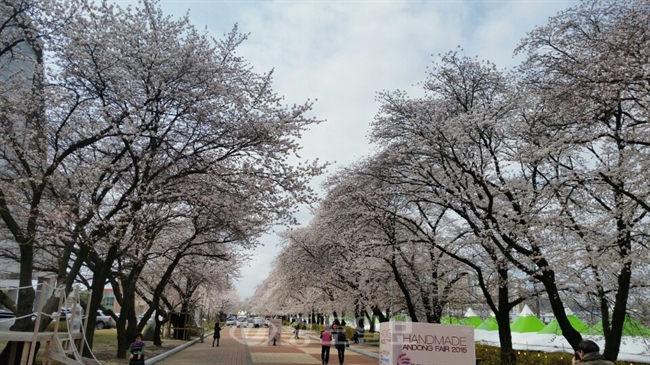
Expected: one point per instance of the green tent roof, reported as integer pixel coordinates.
(471, 321)
(527, 322)
(554, 327)
(449, 320)
(490, 324)
(631, 327)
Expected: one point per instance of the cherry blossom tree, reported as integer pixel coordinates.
(530, 161)
(453, 155)
(361, 259)
(420, 271)
(590, 66)
(147, 118)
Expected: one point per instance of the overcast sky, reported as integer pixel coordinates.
(343, 52)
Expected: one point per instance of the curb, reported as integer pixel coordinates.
(165, 355)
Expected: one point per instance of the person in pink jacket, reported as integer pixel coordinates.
(325, 342)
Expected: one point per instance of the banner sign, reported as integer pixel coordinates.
(275, 332)
(407, 343)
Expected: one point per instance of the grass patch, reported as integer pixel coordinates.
(105, 348)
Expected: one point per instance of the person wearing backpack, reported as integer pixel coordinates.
(341, 342)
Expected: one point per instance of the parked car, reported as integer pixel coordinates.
(242, 321)
(258, 322)
(104, 321)
(231, 321)
(7, 319)
(67, 312)
(64, 313)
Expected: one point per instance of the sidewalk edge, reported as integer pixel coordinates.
(176, 349)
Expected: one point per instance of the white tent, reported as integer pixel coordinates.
(632, 348)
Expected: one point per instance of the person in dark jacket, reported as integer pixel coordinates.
(340, 341)
(589, 353)
(217, 334)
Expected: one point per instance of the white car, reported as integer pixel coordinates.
(7, 319)
(104, 321)
(231, 321)
(242, 321)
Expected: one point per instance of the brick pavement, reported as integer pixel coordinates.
(248, 346)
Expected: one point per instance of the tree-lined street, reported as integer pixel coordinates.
(248, 346)
(494, 189)
(143, 157)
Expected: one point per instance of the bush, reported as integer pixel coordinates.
(349, 332)
(318, 328)
(63, 326)
(491, 356)
(194, 332)
(371, 338)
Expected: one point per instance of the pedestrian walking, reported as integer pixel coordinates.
(340, 342)
(325, 342)
(297, 330)
(217, 334)
(277, 337)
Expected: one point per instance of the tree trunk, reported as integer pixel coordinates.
(379, 314)
(570, 333)
(95, 302)
(336, 318)
(26, 297)
(126, 335)
(410, 306)
(371, 320)
(613, 338)
(502, 315)
(26, 293)
(157, 334)
(508, 354)
(179, 321)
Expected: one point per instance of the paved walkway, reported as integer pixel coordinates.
(248, 346)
